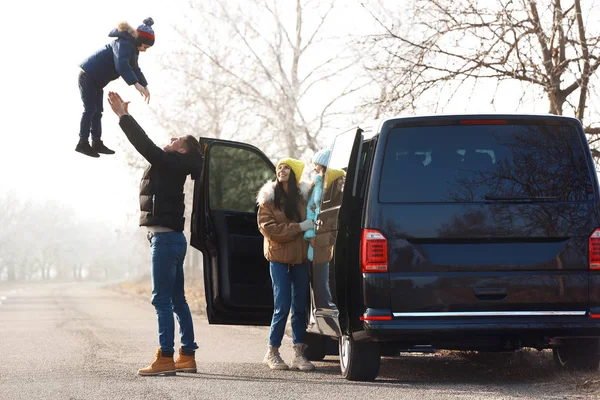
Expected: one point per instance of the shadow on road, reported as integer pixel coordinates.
(444, 370)
(470, 367)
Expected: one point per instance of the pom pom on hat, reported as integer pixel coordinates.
(145, 32)
(295, 165)
(321, 157)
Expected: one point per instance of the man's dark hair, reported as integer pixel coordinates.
(192, 146)
(291, 210)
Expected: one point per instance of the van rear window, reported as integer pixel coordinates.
(474, 163)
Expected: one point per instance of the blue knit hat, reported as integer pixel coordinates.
(321, 157)
(145, 32)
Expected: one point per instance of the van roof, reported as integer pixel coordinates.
(372, 127)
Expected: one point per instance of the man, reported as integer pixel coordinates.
(162, 206)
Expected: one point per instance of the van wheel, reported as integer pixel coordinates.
(359, 361)
(317, 346)
(580, 354)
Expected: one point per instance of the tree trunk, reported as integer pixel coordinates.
(557, 101)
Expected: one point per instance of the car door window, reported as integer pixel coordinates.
(235, 176)
(336, 169)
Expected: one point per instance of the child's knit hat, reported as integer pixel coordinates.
(145, 32)
(321, 157)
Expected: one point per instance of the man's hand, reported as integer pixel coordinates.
(312, 242)
(117, 104)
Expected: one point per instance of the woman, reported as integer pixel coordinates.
(282, 221)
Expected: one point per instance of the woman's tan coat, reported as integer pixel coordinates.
(284, 240)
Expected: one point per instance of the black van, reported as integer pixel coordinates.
(464, 232)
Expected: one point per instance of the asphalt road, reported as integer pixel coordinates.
(83, 341)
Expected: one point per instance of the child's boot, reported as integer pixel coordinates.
(100, 148)
(84, 147)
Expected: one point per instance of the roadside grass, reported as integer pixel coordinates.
(537, 366)
(142, 288)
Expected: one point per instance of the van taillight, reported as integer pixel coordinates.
(594, 250)
(373, 251)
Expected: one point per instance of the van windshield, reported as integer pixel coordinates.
(485, 163)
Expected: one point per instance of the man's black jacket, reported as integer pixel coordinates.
(161, 188)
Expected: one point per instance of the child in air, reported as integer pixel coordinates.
(117, 59)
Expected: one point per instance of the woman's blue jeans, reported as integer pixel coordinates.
(168, 295)
(290, 289)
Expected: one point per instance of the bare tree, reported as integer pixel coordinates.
(257, 70)
(450, 44)
(45, 240)
(14, 210)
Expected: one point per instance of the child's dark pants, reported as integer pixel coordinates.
(92, 97)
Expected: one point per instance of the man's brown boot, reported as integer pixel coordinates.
(185, 363)
(160, 366)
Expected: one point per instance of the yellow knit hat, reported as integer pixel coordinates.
(331, 175)
(295, 165)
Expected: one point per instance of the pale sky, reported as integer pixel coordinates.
(42, 44)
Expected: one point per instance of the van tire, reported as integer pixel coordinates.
(317, 346)
(359, 361)
(578, 354)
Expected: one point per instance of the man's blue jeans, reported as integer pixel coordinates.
(290, 289)
(168, 296)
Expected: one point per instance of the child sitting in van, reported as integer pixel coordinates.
(117, 59)
(321, 252)
(320, 159)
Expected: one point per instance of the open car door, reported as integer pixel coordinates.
(237, 282)
(339, 190)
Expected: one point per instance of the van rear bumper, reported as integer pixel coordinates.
(436, 329)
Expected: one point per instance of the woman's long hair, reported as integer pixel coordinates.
(290, 210)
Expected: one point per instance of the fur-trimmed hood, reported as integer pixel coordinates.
(124, 31)
(266, 193)
(119, 58)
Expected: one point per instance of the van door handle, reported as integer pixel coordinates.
(490, 294)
